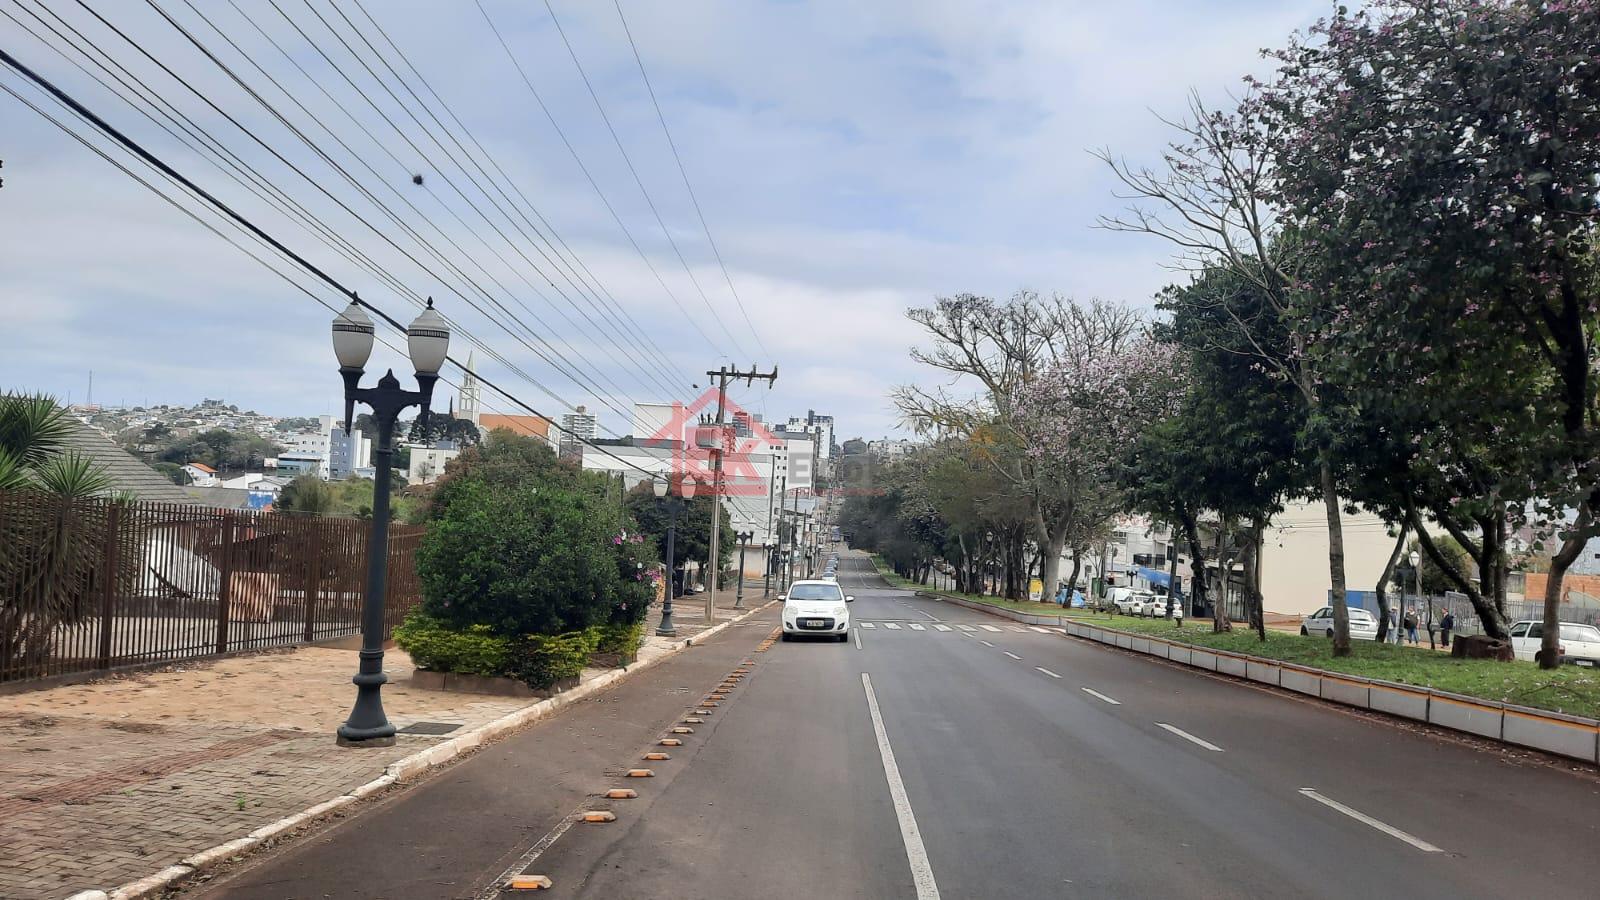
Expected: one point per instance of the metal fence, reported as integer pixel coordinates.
(1466, 618)
(88, 585)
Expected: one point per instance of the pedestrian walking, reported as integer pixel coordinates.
(1411, 624)
(1447, 625)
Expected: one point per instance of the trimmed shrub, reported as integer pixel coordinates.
(433, 646)
(618, 640)
(540, 661)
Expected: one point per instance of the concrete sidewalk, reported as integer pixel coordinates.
(108, 782)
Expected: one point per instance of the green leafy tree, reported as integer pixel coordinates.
(693, 540)
(307, 494)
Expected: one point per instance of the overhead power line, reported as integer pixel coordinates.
(237, 219)
(661, 117)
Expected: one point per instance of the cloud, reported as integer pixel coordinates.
(853, 160)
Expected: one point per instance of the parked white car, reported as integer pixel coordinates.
(1580, 643)
(1133, 602)
(816, 607)
(1156, 607)
(1363, 624)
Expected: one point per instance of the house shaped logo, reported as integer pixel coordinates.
(696, 440)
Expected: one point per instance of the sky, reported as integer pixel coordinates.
(852, 160)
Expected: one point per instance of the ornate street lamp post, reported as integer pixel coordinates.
(663, 488)
(427, 341)
(745, 537)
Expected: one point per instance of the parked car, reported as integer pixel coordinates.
(1156, 608)
(816, 607)
(1580, 643)
(1133, 602)
(1363, 624)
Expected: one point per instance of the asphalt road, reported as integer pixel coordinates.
(943, 752)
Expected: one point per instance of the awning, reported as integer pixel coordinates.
(1154, 576)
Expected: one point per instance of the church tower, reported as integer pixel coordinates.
(470, 392)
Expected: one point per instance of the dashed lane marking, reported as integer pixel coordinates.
(1365, 819)
(1010, 654)
(1099, 696)
(1047, 671)
(1189, 737)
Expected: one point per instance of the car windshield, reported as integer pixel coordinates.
(1580, 633)
(816, 592)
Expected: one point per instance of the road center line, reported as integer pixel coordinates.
(1365, 819)
(857, 632)
(1047, 671)
(1099, 696)
(1010, 654)
(1189, 737)
(916, 854)
(986, 643)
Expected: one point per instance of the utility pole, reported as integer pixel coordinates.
(722, 374)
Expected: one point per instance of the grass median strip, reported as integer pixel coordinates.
(1570, 689)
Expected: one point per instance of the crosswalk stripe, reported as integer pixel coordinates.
(1038, 629)
(915, 626)
(988, 628)
(1018, 629)
(942, 627)
(966, 628)
(869, 625)
(893, 625)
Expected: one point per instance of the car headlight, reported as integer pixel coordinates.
(840, 610)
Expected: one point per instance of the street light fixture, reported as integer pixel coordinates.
(428, 343)
(745, 537)
(663, 489)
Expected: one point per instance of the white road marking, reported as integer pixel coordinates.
(869, 625)
(916, 854)
(1365, 819)
(894, 625)
(917, 626)
(1189, 737)
(988, 628)
(858, 638)
(942, 627)
(1047, 671)
(1096, 694)
(966, 627)
(986, 643)
(1018, 629)
(1038, 629)
(1010, 654)
(1059, 630)
(493, 891)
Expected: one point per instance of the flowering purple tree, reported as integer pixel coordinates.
(1441, 159)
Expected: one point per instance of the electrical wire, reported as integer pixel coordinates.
(661, 117)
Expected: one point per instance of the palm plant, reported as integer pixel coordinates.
(50, 543)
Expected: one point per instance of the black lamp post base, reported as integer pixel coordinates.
(353, 737)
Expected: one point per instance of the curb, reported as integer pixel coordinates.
(1558, 734)
(398, 772)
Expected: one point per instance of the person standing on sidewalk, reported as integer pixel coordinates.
(1411, 624)
(1447, 625)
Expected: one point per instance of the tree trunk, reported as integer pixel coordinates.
(1494, 621)
(1255, 605)
(1219, 601)
(1077, 567)
(1341, 612)
(1549, 655)
(1197, 559)
(1050, 564)
(1383, 581)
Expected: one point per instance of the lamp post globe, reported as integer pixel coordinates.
(428, 341)
(353, 335)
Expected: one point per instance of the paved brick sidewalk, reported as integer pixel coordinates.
(108, 782)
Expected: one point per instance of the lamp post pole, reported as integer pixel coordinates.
(428, 341)
(663, 488)
(744, 541)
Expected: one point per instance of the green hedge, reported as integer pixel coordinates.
(541, 660)
(620, 638)
(432, 646)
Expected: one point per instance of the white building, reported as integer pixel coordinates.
(890, 449)
(471, 396)
(200, 474)
(580, 425)
(427, 463)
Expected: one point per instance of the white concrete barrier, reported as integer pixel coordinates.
(1266, 673)
(1398, 700)
(1484, 718)
(1552, 732)
(1347, 689)
(1139, 645)
(1299, 680)
(1179, 653)
(1160, 648)
(1202, 659)
(1123, 639)
(1228, 664)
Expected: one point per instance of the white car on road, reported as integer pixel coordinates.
(1580, 643)
(816, 607)
(1363, 624)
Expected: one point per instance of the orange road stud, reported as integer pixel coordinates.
(656, 756)
(529, 883)
(622, 794)
(684, 729)
(669, 742)
(599, 816)
(692, 720)
(641, 773)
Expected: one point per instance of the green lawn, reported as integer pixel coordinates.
(1570, 689)
(1032, 607)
